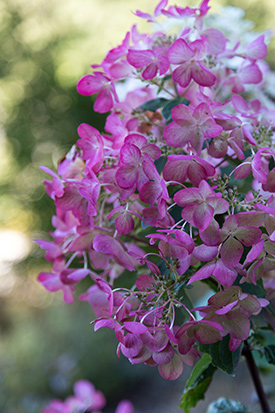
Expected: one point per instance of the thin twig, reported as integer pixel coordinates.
(253, 369)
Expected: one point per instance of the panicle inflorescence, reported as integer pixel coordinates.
(178, 188)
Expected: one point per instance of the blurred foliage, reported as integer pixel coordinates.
(45, 47)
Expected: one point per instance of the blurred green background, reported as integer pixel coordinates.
(46, 345)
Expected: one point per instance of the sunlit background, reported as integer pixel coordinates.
(46, 345)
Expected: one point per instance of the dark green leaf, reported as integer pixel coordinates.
(166, 111)
(223, 405)
(153, 104)
(269, 352)
(175, 212)
(160, 163)
(252, 289)
(222, 357)
(196, 392)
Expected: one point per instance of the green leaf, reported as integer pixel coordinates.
(222, 357)
(252, 289)
(223, 405)
(196, 392)
(160, 163)
(198, 369)
(166, 111)
(153, 104)
(269, 352)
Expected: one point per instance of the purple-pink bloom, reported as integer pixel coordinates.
(152, 60)
(91, 144)
(201, 204)
(233, 235)
(98, 82)
(189, 57)
(257, 49)
(206, 332)
(179, 168)
(191, 126)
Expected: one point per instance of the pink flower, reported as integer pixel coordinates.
(98, 82)
(257, 49)
(234, 234)
(189, 57)
(152, 60)
(201, 204)
(58, 280)
(179, 168)
(246, 74)
(191, 126)
(206, 332)
(91, 145)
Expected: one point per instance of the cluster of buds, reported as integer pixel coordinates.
(178, 188)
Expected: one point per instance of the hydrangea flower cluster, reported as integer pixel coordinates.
(179, 188)
(85, 399)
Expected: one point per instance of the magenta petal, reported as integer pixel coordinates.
(175, 169)
(182, 75)
(205, 272)
(150, 192)
(248, 235)
(179, 52)
(125, 406)
(226, 308)
(257, 49)
(132, 345)
(142, 356)
(149, 341)
(239, 326)
(171, 370)
(251, 218)
(203, 215)
(202, 76)
(79, 274)
(187, 341)
(188, 196)
(140, 58)
(176, 135)
(231, 252)
(207, 334)
(226, 276)
(250, 74)
(150, 71)
(108, 245)
(135, 327)
(89, 84)
(255, 251)
(205, 253)
(144, 281)
(211, 235)
(164, 356)
(126, 176)
(130, 154)
(104, 101)
(124, 223)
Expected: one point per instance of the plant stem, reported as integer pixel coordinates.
(253, 369)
